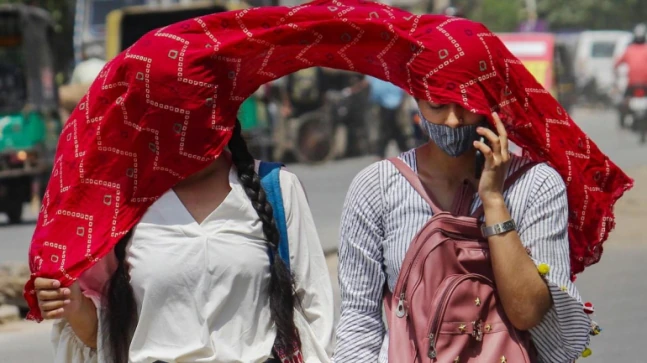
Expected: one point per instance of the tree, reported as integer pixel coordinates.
(497, 15)
(593, 14)
(506, 15)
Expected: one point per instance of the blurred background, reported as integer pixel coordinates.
(328, 125)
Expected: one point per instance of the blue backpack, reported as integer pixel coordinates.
(271, 182)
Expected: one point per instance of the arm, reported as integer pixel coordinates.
(361, 331)
(69, 305)
(621, 60)
(70, 95)
(563, 333)
(360, 85)
(76, 336)
(85, 322)
(524, 295)
(549, 307)
(308, 263)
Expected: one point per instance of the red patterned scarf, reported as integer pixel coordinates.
(165, 107)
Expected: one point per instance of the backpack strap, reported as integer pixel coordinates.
(271, 182)
(463, 200)
(415, 182)
(508, 183)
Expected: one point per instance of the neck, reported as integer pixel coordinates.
(217, 169)
(434, 162)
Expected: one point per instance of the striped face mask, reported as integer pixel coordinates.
(453, 141)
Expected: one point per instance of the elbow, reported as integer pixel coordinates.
(530, 317)
(525, 323)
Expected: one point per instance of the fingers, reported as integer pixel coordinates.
(42, 283)
(54, 314)
(486, 150)
(52, 299)
(495, 144)
(503, 136)
(54, 294)
(48, 306)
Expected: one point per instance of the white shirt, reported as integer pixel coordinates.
(201, 289)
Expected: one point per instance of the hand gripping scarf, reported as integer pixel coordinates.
(165, 107)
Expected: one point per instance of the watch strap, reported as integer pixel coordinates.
(499, 228)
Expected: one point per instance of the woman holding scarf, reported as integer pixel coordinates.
(197, 277)
(192, 280)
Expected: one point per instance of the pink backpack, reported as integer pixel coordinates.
(446, 304)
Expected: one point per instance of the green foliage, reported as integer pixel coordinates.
(505, 15)
(594, 14)
(497, 15)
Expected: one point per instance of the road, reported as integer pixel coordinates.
(616, 285)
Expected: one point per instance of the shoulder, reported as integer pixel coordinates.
(289, 180)
(541, 176)
(540, 172)
(381, 171)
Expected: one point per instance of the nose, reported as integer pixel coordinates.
(454, 117)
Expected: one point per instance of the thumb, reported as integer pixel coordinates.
(75, 290)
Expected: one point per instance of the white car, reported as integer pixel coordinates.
(595, 56)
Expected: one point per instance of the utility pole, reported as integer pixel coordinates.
(437, 6)
(531, 8)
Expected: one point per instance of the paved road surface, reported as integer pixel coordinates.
(616, 286)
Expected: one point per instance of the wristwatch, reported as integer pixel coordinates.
(498, 228)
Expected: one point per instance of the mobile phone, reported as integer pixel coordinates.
(480, 158)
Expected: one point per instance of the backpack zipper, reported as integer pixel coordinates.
(432, 340)
(400, 310)
(443, 301)
(432, 346)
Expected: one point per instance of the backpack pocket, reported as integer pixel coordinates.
(459, 317)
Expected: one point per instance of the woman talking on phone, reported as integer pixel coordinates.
(471, 250)
(377, 228)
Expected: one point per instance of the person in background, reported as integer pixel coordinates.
(389, 98)
(82, 77)
(635, 59)
(303, 92)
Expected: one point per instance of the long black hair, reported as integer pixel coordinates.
(121, 310)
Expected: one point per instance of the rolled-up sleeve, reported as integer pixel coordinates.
(361, 330)
(68, 348)
(564, 331)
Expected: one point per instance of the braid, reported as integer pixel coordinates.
(121, 310)
(281, 289)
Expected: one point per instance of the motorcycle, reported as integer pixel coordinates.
(332, 131)
(637, 106)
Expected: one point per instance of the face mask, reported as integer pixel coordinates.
(453, 141)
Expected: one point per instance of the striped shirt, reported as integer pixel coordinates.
(382, 213)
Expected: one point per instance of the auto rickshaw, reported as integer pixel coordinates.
(548, 60)
(29, 119)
